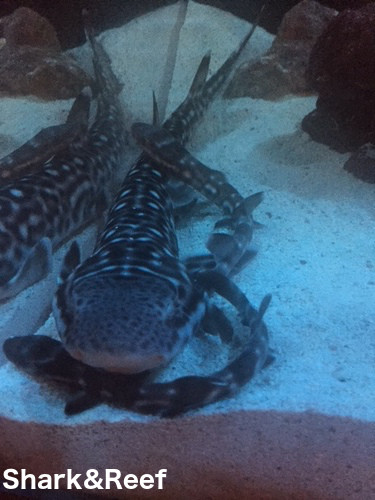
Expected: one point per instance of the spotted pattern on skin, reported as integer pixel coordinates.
(65, 193)
(182, 121)
(139, 243)
(171, 156)
(141, 317)
(132, 305)
(30, 157)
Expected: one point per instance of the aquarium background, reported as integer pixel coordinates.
(66, 15)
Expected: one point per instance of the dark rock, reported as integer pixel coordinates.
(342, 70)
(362, 163)
(342, 58)
(26, 27)
(65, 15)
(282, 70)
(342, 123)
(345, 4)
(31, 61)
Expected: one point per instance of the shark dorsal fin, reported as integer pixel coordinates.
(71, 260)
(155, 111)
(200, 77)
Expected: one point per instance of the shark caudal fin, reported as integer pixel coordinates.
(105, 78)
(203, 90)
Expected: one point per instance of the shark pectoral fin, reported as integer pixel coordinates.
(230, 251)
(252, 201)
(71, 260)
(243, 261)
(263, 307)
(80, 402)
(201, 75)
(32, 353)
(43, 357)
(79, 114)
(221, 245)
(37, 266)
(216, 322)
(248, 205)
(80, 110)
(243, 210)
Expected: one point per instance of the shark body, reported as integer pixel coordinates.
(43, 208)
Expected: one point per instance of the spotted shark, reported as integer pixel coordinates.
(43, 357)
(135, 261)
(133, 304)
(43, 208)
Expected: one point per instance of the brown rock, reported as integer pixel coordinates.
(282, 70)
(31, 61)
(44, 73)
(26, 27)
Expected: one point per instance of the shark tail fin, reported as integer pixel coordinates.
(105, 78)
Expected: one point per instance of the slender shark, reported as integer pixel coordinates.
(43, 208)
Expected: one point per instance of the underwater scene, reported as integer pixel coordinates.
(186, 216)
(307, 239)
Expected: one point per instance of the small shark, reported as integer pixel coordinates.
(41, 209)
(42, 357)
(111, 309)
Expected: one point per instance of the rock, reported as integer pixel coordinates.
(342, 70)
(362, 163)
(345, 4)
(282, 70)
(44, 73)
(31, 61)
(26, 27)
(343, 58)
